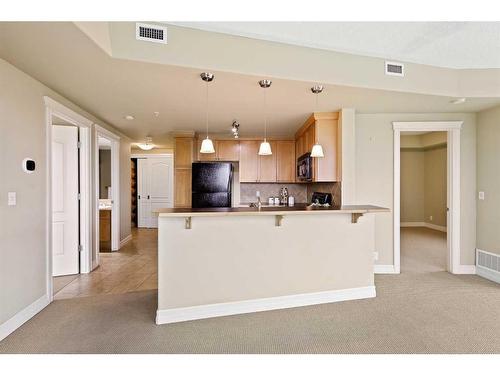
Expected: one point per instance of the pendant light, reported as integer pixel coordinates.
(317, 150)
(207, 146)
(265, 147)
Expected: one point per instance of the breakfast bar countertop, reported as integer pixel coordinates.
(269, 210)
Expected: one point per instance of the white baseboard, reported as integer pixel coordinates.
(464, 269)
(23, 316)
(125, 240)
(384, 269)
(409, 224)
(488, 274)
(261, 304)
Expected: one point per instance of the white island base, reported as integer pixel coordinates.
(214, 264)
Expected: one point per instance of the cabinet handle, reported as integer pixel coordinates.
(148, 196)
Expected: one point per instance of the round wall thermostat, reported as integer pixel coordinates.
(29, 165)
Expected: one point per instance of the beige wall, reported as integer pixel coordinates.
(23, 227)
(435, 186)
(423, 181)
(412, 186)
(374, 175)
(488, 180)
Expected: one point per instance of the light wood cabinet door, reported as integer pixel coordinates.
(309, 138)
(228, 150)
(184, 151)
(286, 162)
(300, 147)
(182, 194)
(267, 167)
(249, 161)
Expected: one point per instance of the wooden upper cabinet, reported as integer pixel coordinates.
(267, 167)
(184, 151)
(299, 146)
(249, 161)
(310, 139)
(324, 129)
(227, 150)
(286, 162)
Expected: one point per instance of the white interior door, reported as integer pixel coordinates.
(65, 200)
(143, 208)
(160, 186)
(154, 188)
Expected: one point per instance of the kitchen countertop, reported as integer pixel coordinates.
(269, 210)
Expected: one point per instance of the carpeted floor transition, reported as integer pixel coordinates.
(423, 310)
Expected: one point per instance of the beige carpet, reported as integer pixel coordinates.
(418, 311)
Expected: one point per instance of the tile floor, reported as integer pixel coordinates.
(132, 268)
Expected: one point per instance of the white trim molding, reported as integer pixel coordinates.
(410, 224)
(262, 304)
(115, 189)
(465, 269)
(384, 269)
(453, 229)
(125, 240)
(54, 108)
(23, 316)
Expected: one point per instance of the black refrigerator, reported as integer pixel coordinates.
(211, 184)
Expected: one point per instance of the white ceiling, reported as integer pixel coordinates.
(461, 45)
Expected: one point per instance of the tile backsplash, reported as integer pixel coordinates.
(301, 192)
(248, 191)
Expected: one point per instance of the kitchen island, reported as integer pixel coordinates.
(225, 261)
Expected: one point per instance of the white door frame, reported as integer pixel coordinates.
(115, 188)
(54, 108)
(453, 201)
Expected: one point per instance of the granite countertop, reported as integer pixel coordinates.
(299, 209)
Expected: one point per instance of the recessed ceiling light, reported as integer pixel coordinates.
(129, 117)
(156, 114)
(458, 101)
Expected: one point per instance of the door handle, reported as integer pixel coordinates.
(138, 197)
(148, 196)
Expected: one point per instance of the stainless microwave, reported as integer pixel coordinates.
(305, 167)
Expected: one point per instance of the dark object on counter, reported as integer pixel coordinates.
(321, 198)
(211, 185)
(305, 167)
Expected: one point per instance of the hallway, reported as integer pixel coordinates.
(132, 268)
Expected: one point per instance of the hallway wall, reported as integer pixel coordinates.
(23, 237)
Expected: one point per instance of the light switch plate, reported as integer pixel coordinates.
(11, 198)
(481, 195)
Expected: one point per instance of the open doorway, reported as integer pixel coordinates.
(107, 210)
(68, 185)
(452, 129)
(424, 189)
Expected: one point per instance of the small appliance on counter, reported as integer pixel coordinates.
(321, 199)
(211, 184)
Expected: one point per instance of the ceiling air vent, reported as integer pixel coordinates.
(151, 33)
(394, 69)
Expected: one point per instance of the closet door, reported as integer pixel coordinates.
(155, 188)
(143, 201)
(160, 186)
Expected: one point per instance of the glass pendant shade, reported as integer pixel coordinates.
(317, 151)
(207, 146)
(265, 148)
(146, 146)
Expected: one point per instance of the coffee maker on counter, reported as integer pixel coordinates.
(284, 196)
